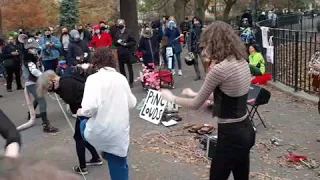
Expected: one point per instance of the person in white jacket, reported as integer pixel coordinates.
(106, 100)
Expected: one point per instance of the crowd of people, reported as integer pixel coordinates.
(95, 93)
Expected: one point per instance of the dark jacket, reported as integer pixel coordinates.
(6, 54)
(87, 37)
(185, 26)
(71, 89)
(194, 38)
(113, 33)
(248, 16)
(148, 45)
(262, 17)
(127, 38)
(76, 48)
(173, 42)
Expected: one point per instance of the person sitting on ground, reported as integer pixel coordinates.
(256, 61)
(70, 88)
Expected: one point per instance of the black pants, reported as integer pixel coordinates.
(233, 148)
(16, 71)
(126, 59)
(81, 146)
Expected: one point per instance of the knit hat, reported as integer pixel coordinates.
(74, 34)
(96, 27)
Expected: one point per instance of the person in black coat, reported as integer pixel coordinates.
(193, 44)
(78, 50)
(125, 44)
(70, 88)
(149, 46)
(11, 60)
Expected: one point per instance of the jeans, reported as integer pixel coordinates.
(16, 71)
(32, 89)
(176, 56)
(50, 64)
(118, 166)
(233, 151)
(126, 59)
(82, 144)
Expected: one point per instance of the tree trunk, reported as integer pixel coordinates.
(179, 10)
(226, 11)
(200, 8)
(128, 12)
(1, 30)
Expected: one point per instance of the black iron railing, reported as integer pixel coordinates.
(294, 44)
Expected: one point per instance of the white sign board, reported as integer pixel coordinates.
(153, 107)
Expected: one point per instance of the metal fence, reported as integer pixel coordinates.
(294, 44)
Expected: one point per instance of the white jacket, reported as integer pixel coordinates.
(107, 99)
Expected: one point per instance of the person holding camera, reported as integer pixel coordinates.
(78, 50)
(50, 46)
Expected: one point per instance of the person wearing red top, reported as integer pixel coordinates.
(100, 39)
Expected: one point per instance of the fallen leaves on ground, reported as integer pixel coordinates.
(178, 143)
(264, 176)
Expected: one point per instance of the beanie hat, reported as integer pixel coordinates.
(74, 34)
(96, 27)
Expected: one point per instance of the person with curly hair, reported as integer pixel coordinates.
(107, 99)
(228, 83)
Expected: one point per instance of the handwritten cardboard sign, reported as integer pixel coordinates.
(153, 107)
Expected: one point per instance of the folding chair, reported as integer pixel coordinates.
(257, 96)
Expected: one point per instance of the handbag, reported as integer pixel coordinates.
(270, 51)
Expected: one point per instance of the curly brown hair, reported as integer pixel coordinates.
(219, 41)
(103, 57)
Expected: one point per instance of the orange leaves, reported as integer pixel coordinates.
(27, 14)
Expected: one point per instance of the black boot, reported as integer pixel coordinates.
(47, 128)
(37, 116)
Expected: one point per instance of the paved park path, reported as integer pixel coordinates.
(160, 153)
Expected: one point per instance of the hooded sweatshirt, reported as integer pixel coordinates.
(76, 48)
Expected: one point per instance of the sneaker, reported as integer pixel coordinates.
(9, 90)
(20, 88)
(173, 72)
(82, 171)
(93, 162)
(50, 129)
(74, 116)
(180, 72)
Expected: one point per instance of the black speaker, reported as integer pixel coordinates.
(258, 96)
